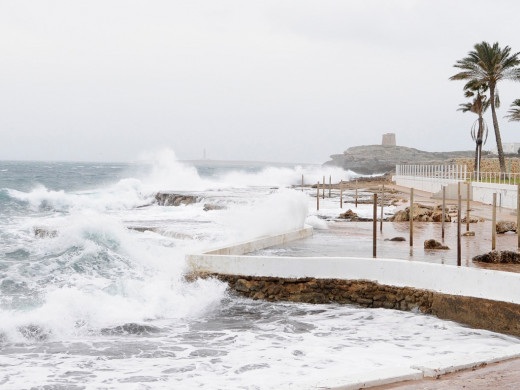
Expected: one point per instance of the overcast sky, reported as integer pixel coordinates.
(289, 81)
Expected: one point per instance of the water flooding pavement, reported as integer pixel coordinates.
(354, 239)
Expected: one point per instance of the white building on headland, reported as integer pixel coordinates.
(508, 147)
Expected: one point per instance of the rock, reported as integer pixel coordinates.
(468, 234)
(243, 285)
(45, 233)
(437, 216)
(170, 199)
(401, 216)
(349, 214)
(395, 239)
(499, 257)
(433, 244)
(209, 206)
(472, 219)
(505, 226)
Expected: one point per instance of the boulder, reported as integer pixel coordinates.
(170, 199)
(433, 244)
(349, 214)
(505, 226)
(468, 234)
(472, 219)
(45, 233)
(401, 216)
(437, 216)
(395, 239)
(209, 206)
(499, 257)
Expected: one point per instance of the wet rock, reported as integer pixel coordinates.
(45, 233)
(170, 199)
(506, 226)
(209, 206)
(243, 285)
(434, 244)
(437, 216)
(499, 257)
(401, 216)
(468, 234)
(472, 219)
(395, 239)
(349, 214)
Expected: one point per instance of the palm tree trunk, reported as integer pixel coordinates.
(476, 167)
(497, 130)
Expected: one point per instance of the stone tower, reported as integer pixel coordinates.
(389, 139)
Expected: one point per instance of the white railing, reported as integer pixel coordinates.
(457, 173)
(449, 172)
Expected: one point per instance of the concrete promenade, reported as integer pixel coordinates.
(501, 376)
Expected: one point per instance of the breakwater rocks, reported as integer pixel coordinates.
(481, 313)
(171, 199)
(310, 290)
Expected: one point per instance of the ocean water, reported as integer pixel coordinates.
(89, 302)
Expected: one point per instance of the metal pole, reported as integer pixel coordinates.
(382, 206)
(467, 207)
(443, 209)
(330, 185)
(374, 228)
(459, 260)
(411, 217)
(302, 183)
(318, 196)
(341, 195)
(323, 188)
(356, 193)
(494, 223)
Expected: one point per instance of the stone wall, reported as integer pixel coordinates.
(480, 313)
(491, 164)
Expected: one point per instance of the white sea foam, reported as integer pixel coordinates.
(76, 301)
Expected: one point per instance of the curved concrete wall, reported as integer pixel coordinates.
(446, 279)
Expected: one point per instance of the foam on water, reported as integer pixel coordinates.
(89, 303)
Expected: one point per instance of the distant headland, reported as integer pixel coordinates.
(372, 159)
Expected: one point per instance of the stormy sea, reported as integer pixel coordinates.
(93, 293)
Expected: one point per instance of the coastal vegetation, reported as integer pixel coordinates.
(485, 66)
(514, 112)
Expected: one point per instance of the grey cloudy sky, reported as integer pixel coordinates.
(246, 80)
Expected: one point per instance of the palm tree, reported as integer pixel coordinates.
(514, 112)
(478, 105)
(487, 65)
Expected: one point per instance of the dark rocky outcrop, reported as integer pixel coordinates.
(434, 244)
(499, 257)
(171, 199)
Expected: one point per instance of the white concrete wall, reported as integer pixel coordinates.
(464, 281)
(506, 194)
(262, 242)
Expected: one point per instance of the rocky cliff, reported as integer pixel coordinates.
(370, 159)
